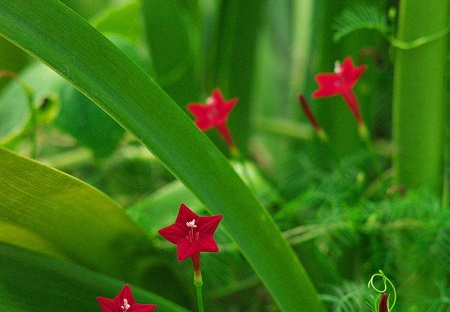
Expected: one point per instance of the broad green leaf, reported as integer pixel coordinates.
(51, 212)
(95, 66)
(88, 123)
(34, 282)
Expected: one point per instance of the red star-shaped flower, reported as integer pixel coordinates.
(124, 302)
(214, 114)
(341, 82)
(191, 233)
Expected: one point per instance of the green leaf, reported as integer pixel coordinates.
(96, 67)
(360, 17)
(173, 41)
(48, 210)
(35, 282)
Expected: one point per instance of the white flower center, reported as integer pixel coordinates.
(337, 67)
(210, 101)
(191, 224)
(125, 305)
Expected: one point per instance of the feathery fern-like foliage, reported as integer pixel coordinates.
(360, 17)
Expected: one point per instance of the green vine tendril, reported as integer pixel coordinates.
(386, 281)
(419, 41)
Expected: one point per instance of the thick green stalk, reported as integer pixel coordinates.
(418, 112)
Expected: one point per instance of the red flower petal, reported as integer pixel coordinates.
(327, 85)
(350, 73)
(107, 305)
(340, 81)
(208, 225)
(174, 233)
(185, 215)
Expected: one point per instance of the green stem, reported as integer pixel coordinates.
(200, 298)
(418, 104)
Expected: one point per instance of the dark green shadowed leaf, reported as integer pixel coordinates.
(97, 68)
(173, 41)
(38, 283)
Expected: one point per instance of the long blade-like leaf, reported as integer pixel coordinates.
(53, 33)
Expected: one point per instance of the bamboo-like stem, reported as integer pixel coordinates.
(418, 103)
